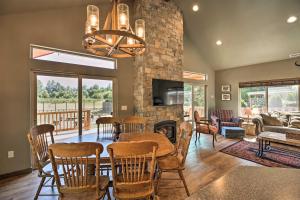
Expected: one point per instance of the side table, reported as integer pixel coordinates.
(249, 128)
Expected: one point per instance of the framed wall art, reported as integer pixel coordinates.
(226, 88)
(226, 97)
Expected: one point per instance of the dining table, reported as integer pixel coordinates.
(253, 183)
(165, 147)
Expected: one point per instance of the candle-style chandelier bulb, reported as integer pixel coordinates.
(130, 40)
(140, 28)
(116, 39)
(123, 16)
(109, 39)
(93, 17)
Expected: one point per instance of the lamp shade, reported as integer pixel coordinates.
(123, 16)
(92, 17)
(248, 111)
(140, 28)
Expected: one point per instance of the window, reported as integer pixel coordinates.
(261, 99)
(254, 98)
(63, 56)
(194, 76)
(283, 98)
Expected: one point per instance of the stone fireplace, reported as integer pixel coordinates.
(163, 58)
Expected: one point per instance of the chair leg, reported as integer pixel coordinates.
(213, 142)
(199, 136)
(39, 188)
(108, 194)
(157, 182)
(184, 183)
(196, 137)
(53, 181)
(216, 137)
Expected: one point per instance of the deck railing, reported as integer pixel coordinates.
(65, 120)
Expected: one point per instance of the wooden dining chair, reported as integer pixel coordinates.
(40, 137)
(133, 166)
(74, 159)
(205, 126)
(106, 126)
(175, 163)
(134, 124)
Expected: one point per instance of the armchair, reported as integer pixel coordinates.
(205, 126)
(225, 118)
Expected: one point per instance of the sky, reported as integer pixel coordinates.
(72, 82)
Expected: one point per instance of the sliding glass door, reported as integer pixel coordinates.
(58, 102)
(194, 100)
(97, 101)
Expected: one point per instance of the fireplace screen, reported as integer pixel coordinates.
(168, 128)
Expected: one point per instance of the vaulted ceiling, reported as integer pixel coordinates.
(22, 6)
(252, 31)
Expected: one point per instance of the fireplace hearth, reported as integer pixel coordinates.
(167, 127)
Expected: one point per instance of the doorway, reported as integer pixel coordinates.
(194, 100)
(72, 103)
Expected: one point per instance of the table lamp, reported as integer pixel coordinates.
(248, 112)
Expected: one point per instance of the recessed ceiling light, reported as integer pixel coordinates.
(195, 7)
(219, 43)
(291, 19)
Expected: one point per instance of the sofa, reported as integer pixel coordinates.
(277, 122)
(225, 118)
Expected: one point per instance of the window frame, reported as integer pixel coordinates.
(32, 46)
(267, 96)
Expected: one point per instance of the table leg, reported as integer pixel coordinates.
(268, 146)
(260, 148)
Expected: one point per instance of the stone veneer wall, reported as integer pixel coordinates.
(163, 58)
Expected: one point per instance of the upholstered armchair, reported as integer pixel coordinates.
(205, 126)
(225, 118)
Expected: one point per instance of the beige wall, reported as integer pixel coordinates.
(266, 71)
(193, 61)
(61, 29)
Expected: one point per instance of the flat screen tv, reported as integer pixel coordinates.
(166, 92)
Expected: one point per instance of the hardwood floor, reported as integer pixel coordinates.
(204, 164)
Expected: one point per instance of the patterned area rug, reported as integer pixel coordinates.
(276, 157)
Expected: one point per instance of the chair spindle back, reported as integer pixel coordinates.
(105, 126)
(136, 162)
(134, 124)
(40, 137)
(74, 159)
(184, 139)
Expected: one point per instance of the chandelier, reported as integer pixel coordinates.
(116, 39)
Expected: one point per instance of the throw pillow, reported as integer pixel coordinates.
(295, 124)
(271, 121)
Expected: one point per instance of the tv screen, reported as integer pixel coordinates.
(166, 92)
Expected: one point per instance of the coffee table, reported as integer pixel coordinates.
(265, 139)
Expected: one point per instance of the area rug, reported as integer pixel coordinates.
(276, 157)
